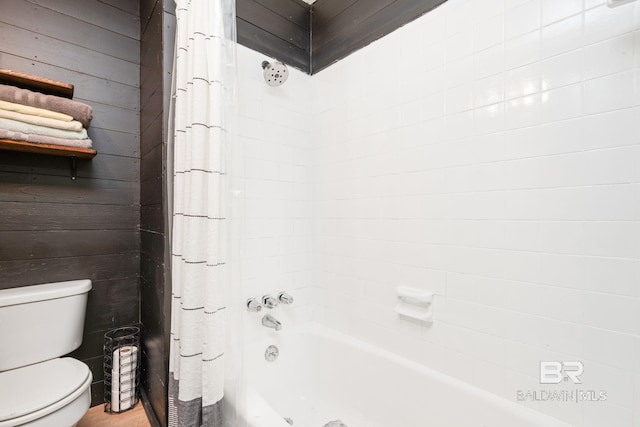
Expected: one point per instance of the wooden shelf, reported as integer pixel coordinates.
(35, 83)
(51, 87)
(53, 150)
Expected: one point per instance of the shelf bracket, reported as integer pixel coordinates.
(74, 167)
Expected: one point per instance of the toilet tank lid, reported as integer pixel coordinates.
(47, 291)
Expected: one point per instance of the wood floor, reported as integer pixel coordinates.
(96, 417)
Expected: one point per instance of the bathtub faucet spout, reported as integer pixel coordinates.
(270, 322)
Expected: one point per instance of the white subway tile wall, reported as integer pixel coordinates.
(489, 152)
(273, 152)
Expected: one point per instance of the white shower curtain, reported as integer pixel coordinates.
(204, 38)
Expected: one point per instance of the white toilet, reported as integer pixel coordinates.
(38, 325)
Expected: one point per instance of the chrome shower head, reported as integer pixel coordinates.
(275, 73)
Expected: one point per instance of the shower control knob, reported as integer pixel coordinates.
(253, 305)
(269, 301)
(285, 298)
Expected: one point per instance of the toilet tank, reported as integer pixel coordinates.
(41, 322)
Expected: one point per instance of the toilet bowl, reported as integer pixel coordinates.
(38, 325)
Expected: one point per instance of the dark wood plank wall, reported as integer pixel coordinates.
(312, 38)
(280, 29)
(156, 59)
(53, 228)
(340, 27)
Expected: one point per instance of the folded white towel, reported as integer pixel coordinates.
(40, 112)
(28, 128)
(41, 139)
(73, 125)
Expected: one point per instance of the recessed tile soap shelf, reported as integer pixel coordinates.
(415, 303)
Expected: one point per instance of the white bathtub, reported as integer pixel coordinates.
(322, 375)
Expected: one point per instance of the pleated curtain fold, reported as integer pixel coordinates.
(198, 262)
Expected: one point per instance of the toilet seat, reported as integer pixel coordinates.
(38, 390)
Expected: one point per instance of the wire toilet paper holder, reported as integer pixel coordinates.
(121, 369)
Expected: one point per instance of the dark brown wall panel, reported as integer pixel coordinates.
(26, 187)
(118, 311)
(325, 10)
(273, 47)
(53, 228)
(94, 267)
(252, 11)
(279, 29)
(23, 245)
(294, 11)
(341, 28)
(30, 216)
(347, 20)
(313, 37)
(103, 166)
(156, 52)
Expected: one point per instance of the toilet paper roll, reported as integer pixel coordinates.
(125, 401)
(125, 359)
(123, 378)
(123, 393)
